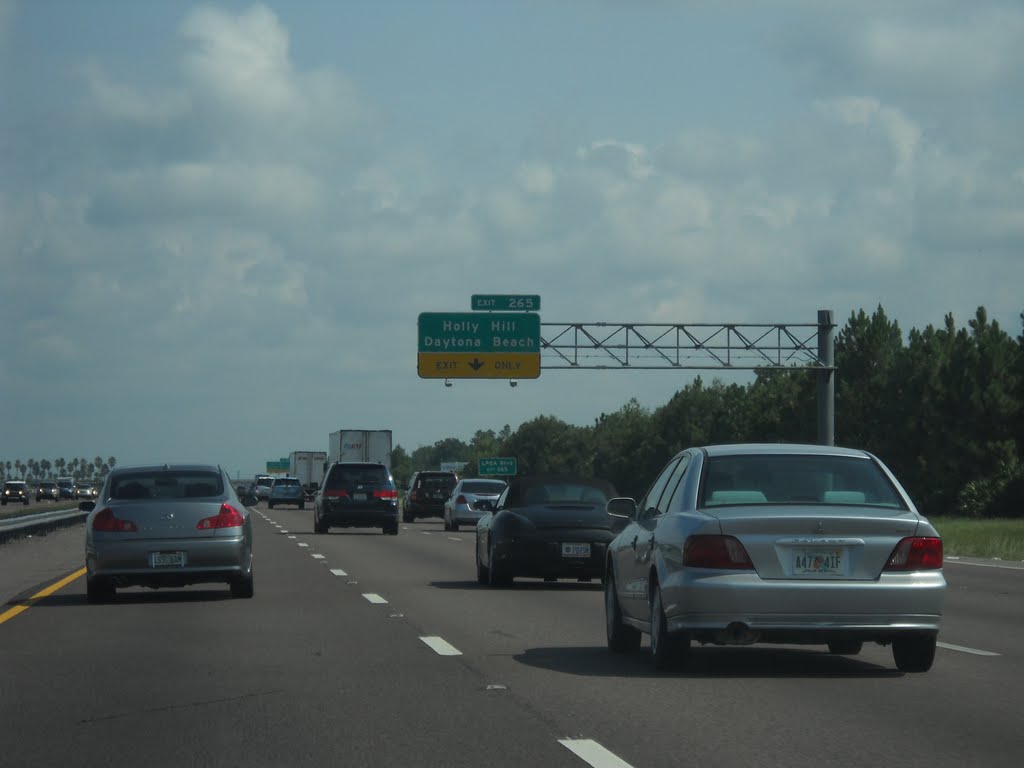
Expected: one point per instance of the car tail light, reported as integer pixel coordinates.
(229, 517)
(715, 551)
(336, 494)
(105, 520)
(392, 494)
(916, 553)
(461, 500)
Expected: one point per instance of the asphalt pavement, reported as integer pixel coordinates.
(368, 650)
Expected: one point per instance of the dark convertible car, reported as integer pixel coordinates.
(549, 527)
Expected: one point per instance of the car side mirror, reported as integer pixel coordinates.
(86, 506)
(622, 507)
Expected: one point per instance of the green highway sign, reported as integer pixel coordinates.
(497, 465)
(505, 302)
(467, 332)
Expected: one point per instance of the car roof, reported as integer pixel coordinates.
(165, 468)
(777, 449)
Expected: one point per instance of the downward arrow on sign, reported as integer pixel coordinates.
(476, 365)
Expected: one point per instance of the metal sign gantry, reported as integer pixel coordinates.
(701, 346)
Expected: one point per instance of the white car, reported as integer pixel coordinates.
(471, 499)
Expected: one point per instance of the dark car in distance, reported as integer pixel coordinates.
(549, 527)
(428, 491)
(47, 491)
(356, 495)
(15, 492)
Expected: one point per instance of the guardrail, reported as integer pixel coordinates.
(39, 522)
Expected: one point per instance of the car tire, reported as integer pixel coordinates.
(454, 525)
(621, 637)
(845, 647)
(408, 518)
(242, 586)
(302, 505)
(496, 576)
(318, 527)
(666, 650)
(392, 530)
(270, 504)
(99, 590)
(447, 523)
(915, 653)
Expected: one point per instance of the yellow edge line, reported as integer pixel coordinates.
(12, 612)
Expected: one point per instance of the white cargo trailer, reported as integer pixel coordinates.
(308, 466)
(360, 445)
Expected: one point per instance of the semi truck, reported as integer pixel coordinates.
(308, 467)
(360, 445)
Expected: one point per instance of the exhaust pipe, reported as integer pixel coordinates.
(737, 633)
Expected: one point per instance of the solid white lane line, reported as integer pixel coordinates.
(441, 647)
(964, 649)
(593, 753)
(375, 599)
(338, 572)
(318, 557)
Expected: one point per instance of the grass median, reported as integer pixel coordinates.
(996, 539)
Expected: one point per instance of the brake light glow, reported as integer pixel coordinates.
(385, 494)
(229, 517)
(716, 551)
(461, 500)
(105, 520)
(916, 553)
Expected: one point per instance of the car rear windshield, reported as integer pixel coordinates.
(286, 481)
(164, 484)
(349, 475)
(797, 479)
(437, 482)
(483, 486)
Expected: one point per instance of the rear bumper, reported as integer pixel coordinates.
(351, 516)
(543, 559)
(465, 516)
(127, 563)
(894, 604)
(421, 509)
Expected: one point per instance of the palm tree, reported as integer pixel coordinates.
(111, 462)
(18, 467)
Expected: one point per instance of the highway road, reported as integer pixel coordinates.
(368, 650)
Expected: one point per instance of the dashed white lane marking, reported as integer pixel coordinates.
(338, 572)
(318, 557)
(454, 538)
(425, 533)
(303, 544)
(964, 649)
(293, 537)
(441, 647)
(283, 531)
(375, 599)
(957, 561)
(593, 753)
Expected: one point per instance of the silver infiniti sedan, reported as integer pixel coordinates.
(167, 526)
(775, 543)
(470, 500)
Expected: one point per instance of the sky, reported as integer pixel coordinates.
(219, 222)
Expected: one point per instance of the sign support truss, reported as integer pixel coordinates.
(701, 346)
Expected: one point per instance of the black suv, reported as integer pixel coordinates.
(356, 494)
(47, 490)
(14, 491)
(428, 491)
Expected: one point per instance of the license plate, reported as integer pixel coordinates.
(359, 497)
(819, 562)
(575, 550)
(166, 559)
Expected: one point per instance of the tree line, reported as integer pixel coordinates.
(940, 406)
(35, 470)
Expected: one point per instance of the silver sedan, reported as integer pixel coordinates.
(167, 526)
(470, 500)
(775, 543)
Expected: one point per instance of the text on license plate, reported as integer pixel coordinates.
(166, 559)
(575, 550)
(358, 497)
(819, 561)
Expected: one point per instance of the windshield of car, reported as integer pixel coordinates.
(797, 479)
(483, 486)
(437, 482)
(348, 475)
(163, 484)
(286, 481)
(265, 481)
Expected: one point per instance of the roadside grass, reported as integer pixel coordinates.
(996, 539)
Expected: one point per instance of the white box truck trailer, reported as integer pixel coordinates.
(308, 466)
(360, 445)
